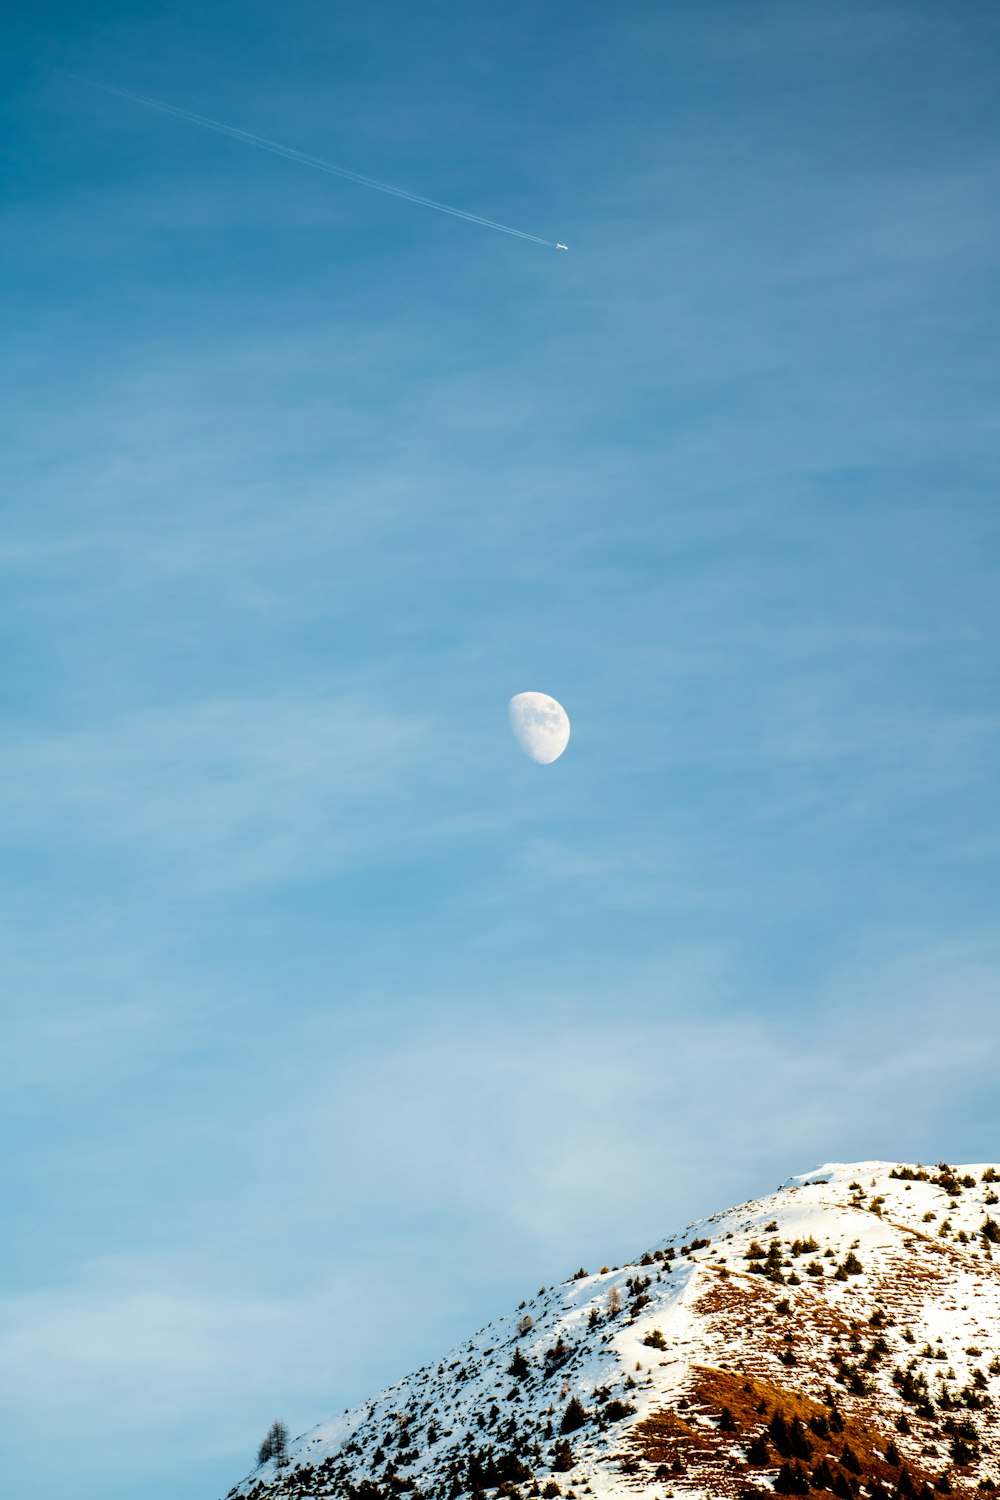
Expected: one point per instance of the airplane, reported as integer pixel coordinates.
(561, 247)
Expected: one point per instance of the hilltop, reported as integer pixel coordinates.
(839, 1336)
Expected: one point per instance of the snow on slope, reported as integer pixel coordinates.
(860, 1301)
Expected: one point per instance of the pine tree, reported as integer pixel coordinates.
(791, 1480)
(777, 1430)
(562, 1458)
(758, 1453)
(799, 1445)
(573, 1417)
(822, 1477)
(842, 1487)
(849, 1459)
(275, 1443)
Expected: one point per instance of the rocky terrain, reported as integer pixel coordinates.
(841, 1336)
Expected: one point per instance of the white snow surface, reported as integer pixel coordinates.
(467, 1399)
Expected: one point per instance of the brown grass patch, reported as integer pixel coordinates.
(689, 1441)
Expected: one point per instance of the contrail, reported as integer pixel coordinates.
(316, 162)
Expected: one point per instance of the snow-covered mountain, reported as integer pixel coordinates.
(841, 1335)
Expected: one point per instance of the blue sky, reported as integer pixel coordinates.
(332, 1024)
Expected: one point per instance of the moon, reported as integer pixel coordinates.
(540, 725)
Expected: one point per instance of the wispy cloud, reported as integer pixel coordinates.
(225, 792)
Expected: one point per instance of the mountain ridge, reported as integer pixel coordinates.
(840, 1335)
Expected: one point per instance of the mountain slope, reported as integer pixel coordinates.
(841, 1335)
